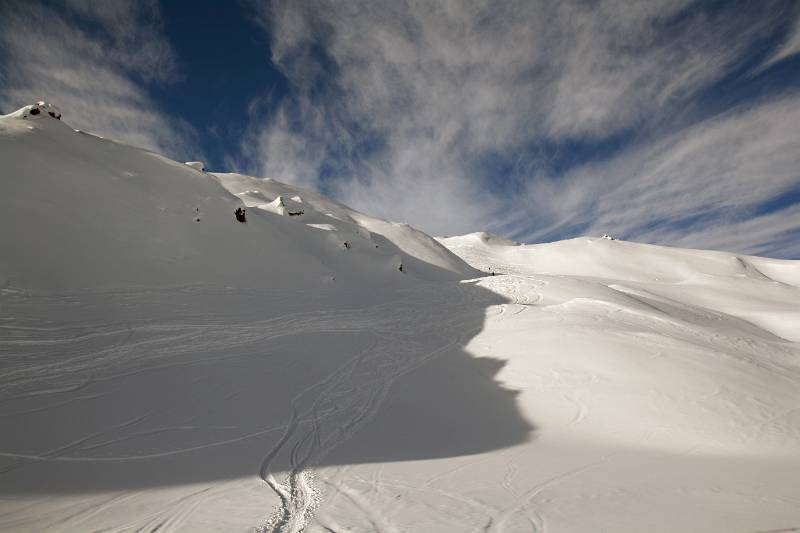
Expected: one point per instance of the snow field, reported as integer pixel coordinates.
(165, 368)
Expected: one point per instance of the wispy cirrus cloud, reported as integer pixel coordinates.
(684, 188)
(93, 59)
(450, 115)
(775, 233)
(534, 119)
(790, 46)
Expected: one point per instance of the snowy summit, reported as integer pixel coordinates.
(186, 350)
(37, 110)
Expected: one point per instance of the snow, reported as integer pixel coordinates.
(415, 247)
(756, 289)
(38, 110)
(197, 165)
(166, 368)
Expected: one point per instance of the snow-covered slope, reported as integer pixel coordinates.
(356, 228)
(756, 289)
(661, 388)
(146, 331)
(164, 367)
(105, 214)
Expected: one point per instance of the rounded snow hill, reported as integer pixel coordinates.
(703, 277)
(601, 257)
(478, 237)
(89, 212)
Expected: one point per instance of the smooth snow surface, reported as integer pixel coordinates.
(164, 367)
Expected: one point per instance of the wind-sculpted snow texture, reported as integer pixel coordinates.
(165, 368)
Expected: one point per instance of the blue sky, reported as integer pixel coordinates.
(671, 122)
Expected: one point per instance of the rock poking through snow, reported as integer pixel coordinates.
(37, 110)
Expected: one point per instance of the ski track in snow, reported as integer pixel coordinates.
(522, 294)
(146, 408)
(372, 373)
(326, 413)
(42, 359)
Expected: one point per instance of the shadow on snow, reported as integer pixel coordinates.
(204, 395)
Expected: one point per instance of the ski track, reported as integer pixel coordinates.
(377, 523)
(370, 374)
(523, 502)
(485, 509)
(406, 332)
(43, 359)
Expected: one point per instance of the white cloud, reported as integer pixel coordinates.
(440, 84)
(775, 234)
(96, 79)
(287, 154)
(789, 47)
(400, 101)
(720, 170)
